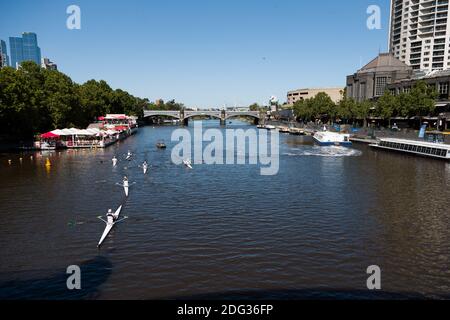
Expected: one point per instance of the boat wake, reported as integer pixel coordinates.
(316, 151)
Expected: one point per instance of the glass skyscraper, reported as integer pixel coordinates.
(4, 59)
(24, 49)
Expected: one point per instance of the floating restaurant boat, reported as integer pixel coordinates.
(421, 148)
(327, 138)
(107, 131)
(125, 125)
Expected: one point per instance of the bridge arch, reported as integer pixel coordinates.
(240, 114)
(162, 113)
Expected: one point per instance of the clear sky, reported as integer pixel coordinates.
(204, 53)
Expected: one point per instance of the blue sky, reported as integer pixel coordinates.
(204, 53)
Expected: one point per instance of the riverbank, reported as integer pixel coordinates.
(366, 135)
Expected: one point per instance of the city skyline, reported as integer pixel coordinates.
(224, 55)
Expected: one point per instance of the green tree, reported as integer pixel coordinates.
(422, 99)
(344, 108)
(255, 107)
(95, 98)
(323, 106)
(61, 100)
(387, 106)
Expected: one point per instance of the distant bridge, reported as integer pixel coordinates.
(222, 115)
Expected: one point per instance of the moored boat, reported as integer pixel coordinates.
(421, 148)
(161, 145)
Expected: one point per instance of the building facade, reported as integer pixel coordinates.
(440, 80)
(420, 33)
(4, 58)
(24, 49)
(49, 65)
(371, 81)
(303, 94)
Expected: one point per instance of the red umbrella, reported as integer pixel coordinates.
(49, 135)
(121, 128)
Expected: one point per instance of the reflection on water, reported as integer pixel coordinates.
(310, 231)
(53, 287)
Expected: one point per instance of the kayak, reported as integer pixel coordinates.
(145, 169)
(126, 186)
(109, 226)
(114, 161)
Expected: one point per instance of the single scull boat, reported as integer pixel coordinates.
(188, 163)
(109, 225)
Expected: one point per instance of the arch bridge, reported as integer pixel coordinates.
(222, 115)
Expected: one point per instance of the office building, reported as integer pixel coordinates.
(4, 59)
(419, 33)
(303, 94)
(24, 49)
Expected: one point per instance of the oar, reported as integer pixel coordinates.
(124, 218)
(100, 217)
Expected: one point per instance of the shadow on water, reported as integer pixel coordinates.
(308, 294)
(94, 273)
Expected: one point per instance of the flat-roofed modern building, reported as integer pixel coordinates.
(303, 94)
(24, 49)
(420, 33)
(372, 80)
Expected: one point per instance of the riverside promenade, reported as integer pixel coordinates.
(361, 135)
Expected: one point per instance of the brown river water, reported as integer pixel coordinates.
(225, 231)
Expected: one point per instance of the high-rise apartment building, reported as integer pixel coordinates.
(24, 49)
(420, 33)
(4, 59)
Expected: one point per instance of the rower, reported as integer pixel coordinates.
(110, 216)
(145, 164)
(125, 181)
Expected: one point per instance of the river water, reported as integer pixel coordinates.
(225, 231)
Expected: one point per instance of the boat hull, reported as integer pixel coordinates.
(409, 153)
(344, 144)
(109, 227)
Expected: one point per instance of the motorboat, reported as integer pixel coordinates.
(161, 145)
(328, 138)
